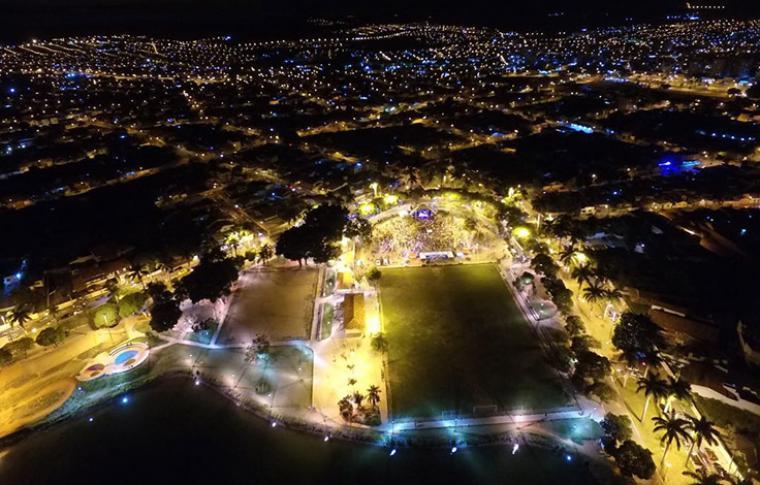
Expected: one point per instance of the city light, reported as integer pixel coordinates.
(521, 232)
(241, 212)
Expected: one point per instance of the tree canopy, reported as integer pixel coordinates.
(358, 227)
(211, 279)
(617, 427)
(634, 460)
(131, 304)
(545, 264)
(106, 315)
(51, 336)
(317, 237)
(164, 315)
(636, 333)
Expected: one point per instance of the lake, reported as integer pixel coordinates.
(174, 432)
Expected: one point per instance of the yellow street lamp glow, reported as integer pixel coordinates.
(373, 324)
(521, 232)
(580, 257)
(367, 208)
(390, 199)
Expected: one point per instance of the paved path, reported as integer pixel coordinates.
(510, 419)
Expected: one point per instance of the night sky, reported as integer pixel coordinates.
(25, 19)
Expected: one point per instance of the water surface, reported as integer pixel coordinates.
(175, 433)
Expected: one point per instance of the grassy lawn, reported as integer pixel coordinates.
(325, 328)
(457, 340)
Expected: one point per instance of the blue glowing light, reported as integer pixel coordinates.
(424, 214)
(393, 452)
(125, 400)
(580, 128)
(674, 167)
(568, 458)
(12, 90)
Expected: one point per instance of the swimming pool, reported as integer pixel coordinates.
(121, 359)
(125, 356)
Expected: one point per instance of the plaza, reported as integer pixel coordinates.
(277, 303)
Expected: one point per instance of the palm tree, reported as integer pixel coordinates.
(703, 431)
(677, 389)
(703, 477)
(651, 360)
(582, 274)
(613, 294)
(358, 398)
(594, 292)
(373, 395)
(653, 387)
(266, 253)
(674, 430)
(634, 358)
(20, 315)
(567, 255)
(346, 409)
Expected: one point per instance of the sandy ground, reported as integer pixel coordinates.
(277, 303)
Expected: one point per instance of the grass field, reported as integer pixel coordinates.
(456, 340)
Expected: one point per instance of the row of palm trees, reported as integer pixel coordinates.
(676, 428)
(681, 429)
(660, 390)
(597, 287)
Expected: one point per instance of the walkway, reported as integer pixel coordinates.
(509, 419)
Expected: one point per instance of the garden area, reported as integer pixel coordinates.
(456, 340)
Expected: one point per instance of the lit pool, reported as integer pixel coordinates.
(125, 356)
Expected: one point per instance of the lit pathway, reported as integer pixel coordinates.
(509, 419)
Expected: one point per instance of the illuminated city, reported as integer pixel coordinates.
(408, 249)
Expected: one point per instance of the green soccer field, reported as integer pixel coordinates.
(456, 340)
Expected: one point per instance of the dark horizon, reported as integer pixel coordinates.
(53, 17)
